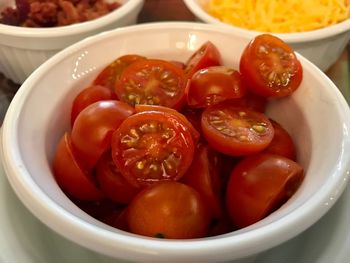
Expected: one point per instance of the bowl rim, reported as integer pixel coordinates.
(113, 242)
(59, 31)
(299, 37)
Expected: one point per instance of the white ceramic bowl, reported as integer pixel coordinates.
(322, 47)
(316, 115)
(22, 49)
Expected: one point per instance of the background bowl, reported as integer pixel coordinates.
(316, 115)
(23, 49)
(322, 47)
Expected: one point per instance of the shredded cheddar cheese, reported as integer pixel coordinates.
(279, 16)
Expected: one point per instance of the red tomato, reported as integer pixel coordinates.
(259, 185)
(236, 130)
(93, 128)
(69, 174)
(168, 210)
(88, 96)
(212, 85)
(112, 72)
(252, 101)
(206, 56)
(270, 67)
(194, 117)
(112, 183)
(154, 82)
(152, 146)
(282, 143)
(203, 176)
(175, 113)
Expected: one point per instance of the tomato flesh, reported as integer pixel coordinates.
(236, 130)
(153, 82)
(270, 67)
(152, 146)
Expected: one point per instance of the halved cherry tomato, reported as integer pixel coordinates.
(259, 185)
(70, 175)
(154, 82)
(175, 113)
(236, 130)
(112, 183)
(168, 210)
(252, 101)
(194, 117)
(203, 176)
(270, 67)
(282, 143)
(152, 146)
(112, 72)
(212, 85)
(206, 56)
(88, 96)
(93, 128)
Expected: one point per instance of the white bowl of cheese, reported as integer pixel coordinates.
(319, 31)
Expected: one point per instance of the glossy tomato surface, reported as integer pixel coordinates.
(270, 67)
(168, 210)
(154, 82)
(93, 128)
(112, 72)
(112, 183)
(70, 175)
(88, 96)
(212, 85)
(206, 56)
(152, 146)
(260, 184)
(235, 130)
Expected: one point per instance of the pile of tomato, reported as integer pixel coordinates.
(183, 150)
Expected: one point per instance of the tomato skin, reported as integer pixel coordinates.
(203, 176)
(108, 76)
(260, 184)
(88, 96)
(152, 146)
(252, 101)
(70, 175)
(234, 130)
(154, 82)
(112, 183)
(282, 143)
(168, 210)
(205, 56)
(93, 128)
(270, 67)
(212, 85)
(175, 113)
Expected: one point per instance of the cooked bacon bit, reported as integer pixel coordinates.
(50, 13)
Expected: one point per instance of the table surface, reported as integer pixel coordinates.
(175, 10)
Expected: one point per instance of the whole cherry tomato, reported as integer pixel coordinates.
(112, 183)
(270, 67)
(70, 175)
(282, 143)
(152, 146)
(206, 56)
(154, 82)
(203, 176)
(212, 85)
(112, 72)
(236, 130)
(260, 184)
(168, 210)
(88, 96)
(93, 128)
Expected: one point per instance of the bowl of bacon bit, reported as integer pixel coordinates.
(319, 30)
(31, 31)
(209, 146)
